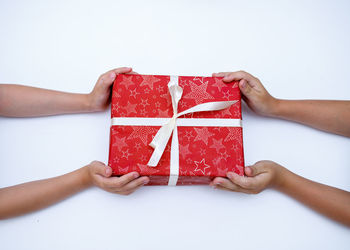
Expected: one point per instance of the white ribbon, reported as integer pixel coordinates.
(169, 126)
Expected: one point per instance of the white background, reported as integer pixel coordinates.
(299, 49)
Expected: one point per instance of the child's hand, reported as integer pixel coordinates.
(261, 175)
(98, 174)
(254, 93)
(99, 97)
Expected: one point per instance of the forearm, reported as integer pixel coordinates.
(330, 116)
(31, 196)
(329, 201)
(24, 101)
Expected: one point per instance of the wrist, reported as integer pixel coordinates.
(281, 177)
(275, 107)
(85, 103)
(85, 177)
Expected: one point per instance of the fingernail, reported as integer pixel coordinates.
(108, 171)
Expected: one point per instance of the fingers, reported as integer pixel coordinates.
(225, 184)
(234, 76)
(242, 181)
(109, 77)
(256, 169)
(122, 70)
(135, 184)
(245, 88)
(118, 182)
(221, 74)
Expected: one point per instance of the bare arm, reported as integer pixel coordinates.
(330, 116)
(32, 196)
(24, 101)
(329, 201)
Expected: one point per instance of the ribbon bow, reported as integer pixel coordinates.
(161, 139)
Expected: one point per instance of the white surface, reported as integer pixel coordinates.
(299, 49)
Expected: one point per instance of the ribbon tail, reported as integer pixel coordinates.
(174, 159)
(160, 141)
(208, 106)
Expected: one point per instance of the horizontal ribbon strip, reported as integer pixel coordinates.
(181, 122)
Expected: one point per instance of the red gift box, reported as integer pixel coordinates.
(205, 145)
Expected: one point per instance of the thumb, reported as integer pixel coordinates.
(103, 170)
(252, 171)
(245, 88)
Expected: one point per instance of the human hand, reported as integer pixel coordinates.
(98, 174)
(254, 93)
(99, 97)
(260, 176)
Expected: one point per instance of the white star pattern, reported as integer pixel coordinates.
(235, 147)
(162, 113)
(146, 169)
(226, 111)
(144, 103)
(149, 80)
(199, 92)
(219, 84)
(234, 134)
(224, 155)
(202, 151)
(133, 93)
(143, 158)
(119, 142)
(126, 154)
(123, 170)
(130, 108)
(167, 97)
(235, 85)
(203, 134)
(115, 107)
(143, 112)
(221, 171)
(137, 146)
(185, 151)
(183, 105)
(116, 94)
(201, 166)
(160, 88)
(188, 135)
(217, 144)
(183, 82)
(141, 133)
(216, 161)
(227, 95)
(157, 105)
(126, 81)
